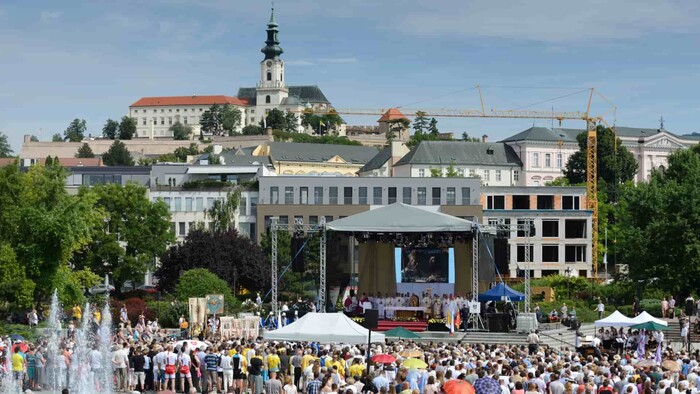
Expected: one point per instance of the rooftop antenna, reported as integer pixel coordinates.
(661, 122)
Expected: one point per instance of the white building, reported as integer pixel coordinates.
(155, 115)
(495, 163)
(544, 152)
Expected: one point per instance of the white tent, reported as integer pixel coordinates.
(324, 328)
(645, 317)
(616, 319)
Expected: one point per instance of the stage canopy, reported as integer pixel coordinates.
(400, 218)
(644, 317)
(616, 319)
(500, 292)
(323, 328)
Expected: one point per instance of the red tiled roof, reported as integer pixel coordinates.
(80, 162)
(189, 100)
(391, 114)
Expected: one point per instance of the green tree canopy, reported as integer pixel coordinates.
(275, 119)
(117, 155)
(321, 124)
(181, 131)
(219, 119)
(252, 129)
(110, 129)
(420, 122)
(85, 152)
(658, 225)
(75, 132)
(613, 168)
(127, 128)
(201, 282)
(230, 119)
(432, 128)
(5, 149)
(34, 138)
(57, 138)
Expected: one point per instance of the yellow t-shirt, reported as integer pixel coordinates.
(306, 360)
(17, 362)
(97, 315)
(77, 312)
(340, 364)
(356, 369)
(273, 362)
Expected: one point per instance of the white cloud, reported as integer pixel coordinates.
(548, 20)
(47, 16)
(338, 60)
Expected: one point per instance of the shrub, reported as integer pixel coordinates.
(168, 313)
(200, 282)
(651, 306)
(134, 307)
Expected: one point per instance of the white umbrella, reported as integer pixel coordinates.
(191, 344)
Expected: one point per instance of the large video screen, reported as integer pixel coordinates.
(425, 265)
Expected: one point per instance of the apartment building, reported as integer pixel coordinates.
(560, 237)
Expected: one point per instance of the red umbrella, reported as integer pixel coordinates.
(22, 347)
(384, 358)
(458, 386)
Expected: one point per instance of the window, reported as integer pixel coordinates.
(535, 159)
(516, 175)
(289, 195)
(303, 195)
(545, 202)
(575, 229)
(177, 110)
(487, 175)
(269, 76)
(173, 227)
(166, 200)
(363, 195)
(170, 120)
(521, 253)
(466, 196)
(329, 219)
(313, 220)
(347, 195)
(521, 202)
(421, 195)
(472, 173)
(155, 121)
(406, 195)
(495, 202)
(550, 253)
(162, 120)
(451, 196)
(575, 253)
(143, 121)
(460, 172)
(199, 203)
(547, 160)
(421, 173)
(267, 99)
(181, 228)
(170, 110)
(498, 175)
(274, 195)
(503, 230)
(318, 195)
(210, 202)
(377, 196)
(188, 204)
(284, 219)
(392, 195)
(333, 195)
(184, 118)
(437, 197)
(253, 206)
(523, 225)
(178, 204)
(243, 206)
(560, 160)
(550, 228)
(570, 202)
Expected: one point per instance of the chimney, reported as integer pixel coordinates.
(217, 149)
(484, 138)
(27, 138)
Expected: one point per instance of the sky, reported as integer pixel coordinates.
(61, 60)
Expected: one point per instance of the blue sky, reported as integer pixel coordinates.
(65, 59)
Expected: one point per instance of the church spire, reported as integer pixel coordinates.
(272, 49)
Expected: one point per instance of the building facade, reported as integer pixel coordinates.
(560, 238)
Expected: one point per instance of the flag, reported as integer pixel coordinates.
(641, 346)
(449, 322)
(657, 356)
(458, 321)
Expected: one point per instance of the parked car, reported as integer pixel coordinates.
(101, 289)
(148, 288)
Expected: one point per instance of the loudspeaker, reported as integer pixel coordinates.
(500, 254)
(297, 252)
(371, 318)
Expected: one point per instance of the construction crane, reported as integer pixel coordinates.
(591, 138)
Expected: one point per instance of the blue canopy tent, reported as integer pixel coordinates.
(500, 292)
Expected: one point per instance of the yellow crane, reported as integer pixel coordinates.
(591, 133)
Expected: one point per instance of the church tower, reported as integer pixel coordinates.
(271, 90)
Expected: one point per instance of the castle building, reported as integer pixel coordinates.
(155, 115)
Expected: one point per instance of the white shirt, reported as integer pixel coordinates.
(184, 359)
(601, 307)
(95, 359)
(226, 362)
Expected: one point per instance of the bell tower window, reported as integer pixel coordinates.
(269, 76)
(267, 99)
(281, 77)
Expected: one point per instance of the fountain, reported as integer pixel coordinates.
(8, 381)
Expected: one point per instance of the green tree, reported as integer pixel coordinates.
(57, 138)
(291, 122)
(181, 131)
(85, 152)
(5, 149)
(275, 119)
(252, 129)
(467, 138)
(396, 126)
(432, 128)
(613, 168)
(136, 230)
(658, 225)
(223, 212)
(211, 120)
(199, 283)
(417, 138)
(117, 155)
(420, 122)
(75, 132)
(34, 138)
(230, 119)
(110, 129)
(127, 128)
(181, 153)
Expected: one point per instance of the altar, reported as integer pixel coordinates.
(405, 311)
